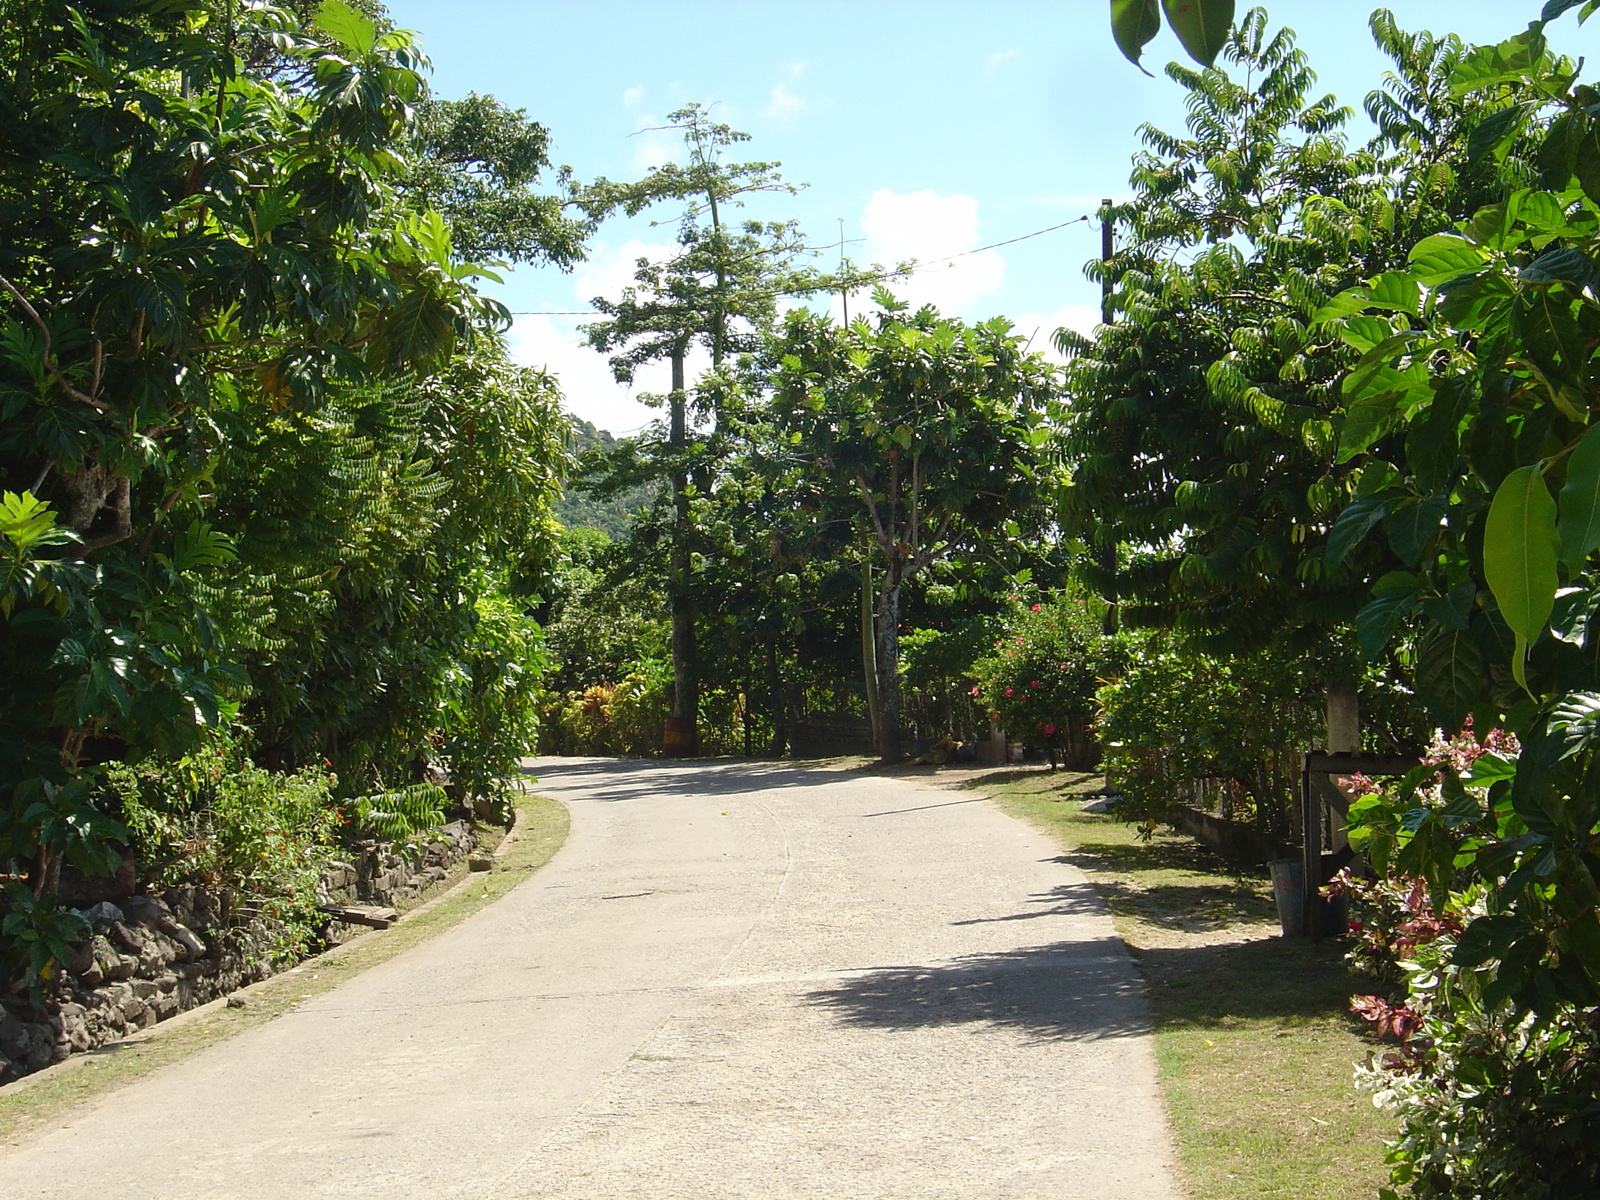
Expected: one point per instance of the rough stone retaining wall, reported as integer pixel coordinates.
(152, 957)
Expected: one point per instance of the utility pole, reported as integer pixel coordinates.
(1108, 249)
(844, 292)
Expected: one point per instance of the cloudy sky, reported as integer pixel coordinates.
(929, 129)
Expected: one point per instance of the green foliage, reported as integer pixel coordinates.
(1206, 421)
(1176, 720)
(400, 815)
(1201, 25)
(476, 162)
(929, 429)
(270, 461)
(36, 934)
(216, 819)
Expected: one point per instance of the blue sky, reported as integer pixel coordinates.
(931, 129)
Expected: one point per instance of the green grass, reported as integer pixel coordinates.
(1253, 1035)
(39, 1100)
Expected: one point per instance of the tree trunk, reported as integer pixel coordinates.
(889, 668)
(685, 684)
(869, 649)
(780, 737)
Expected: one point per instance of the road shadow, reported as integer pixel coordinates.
(611, 780)
(1078, 991)
(1067, 900)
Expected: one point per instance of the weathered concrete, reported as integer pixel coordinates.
(734, 981)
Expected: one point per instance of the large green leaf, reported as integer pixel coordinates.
(348, 26)
(1579, 524)
(1201, 25)
(1377, 621)
(1352, 526)
(1564, 265)
(1498, 128)
(1449, 674)
(1366, 420)
(1520, 547)
(1444, 256)
(1133, 24)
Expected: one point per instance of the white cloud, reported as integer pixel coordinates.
(785, 104)
(1040, 330)
(998, 59)
(653, 147)
(934, 230)
(633, 96)
(586, 383)
(554, 343)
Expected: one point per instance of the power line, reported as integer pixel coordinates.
(921, 266)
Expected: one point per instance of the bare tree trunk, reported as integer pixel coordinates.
(889, 667)
(775, 698)
(869, 649)
(685, 683)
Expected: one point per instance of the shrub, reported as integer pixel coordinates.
(216, 819)
(1176, 720)
(1495, 1073)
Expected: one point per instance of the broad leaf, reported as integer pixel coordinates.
(1579, 525)
(1395, 290)
(1449, 674)
(1575, 722)
(1498, 128)
(1377, 621)
(1442, 257)
(1201, 25)
(1564, 265)
(1353, 523)
(1365, 421)
(1412, 526)
(1133, 24)
(347, 26)
(1554, 8)
(1520, 546)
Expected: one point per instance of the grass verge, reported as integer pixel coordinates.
(41, 1099)
(1253, 1034)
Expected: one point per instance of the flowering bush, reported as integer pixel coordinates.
(1495, 1068)
(1041, 676)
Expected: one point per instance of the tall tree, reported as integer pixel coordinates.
(932, 429)
(719, 290)
(1201, 430)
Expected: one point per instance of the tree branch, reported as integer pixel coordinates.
(46, 358)
(884, 540)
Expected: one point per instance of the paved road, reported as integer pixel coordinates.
(734, 982)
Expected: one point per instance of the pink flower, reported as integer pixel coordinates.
(1035, 608)
(1034, 684)
(976, 689)
(1049, 730)
(1011, 691)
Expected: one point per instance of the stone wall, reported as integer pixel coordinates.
(152, 957)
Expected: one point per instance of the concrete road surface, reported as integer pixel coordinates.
(735, 981)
